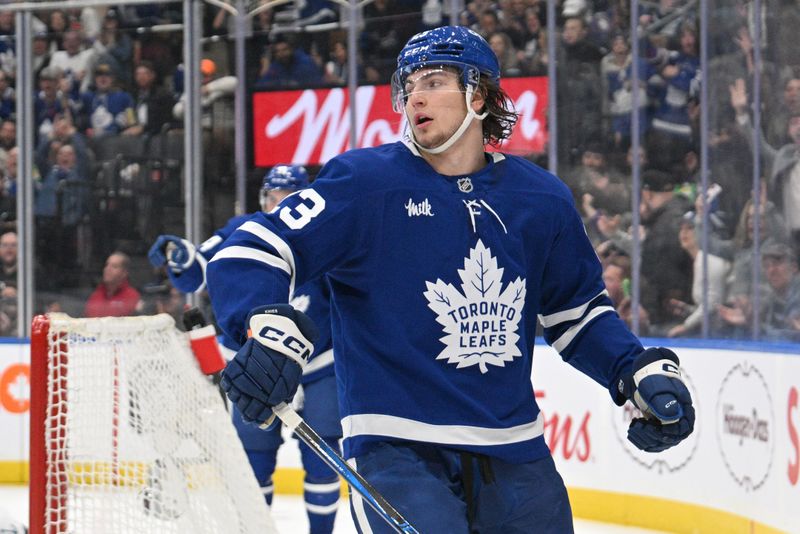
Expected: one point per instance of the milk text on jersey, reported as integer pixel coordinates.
(419, 208)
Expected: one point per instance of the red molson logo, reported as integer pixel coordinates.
(565, 436)
(312, 126)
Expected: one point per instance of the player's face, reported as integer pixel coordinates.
(272, 197)
(434, 106)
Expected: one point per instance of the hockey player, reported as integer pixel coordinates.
(186, 267)
(440, 257)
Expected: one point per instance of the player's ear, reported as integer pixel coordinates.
(478, 99)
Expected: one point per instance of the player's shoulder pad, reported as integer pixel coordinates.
(536, 177)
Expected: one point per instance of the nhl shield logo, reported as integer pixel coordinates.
(464, 185)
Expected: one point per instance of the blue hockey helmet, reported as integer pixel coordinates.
(292, 177)
(454, 46)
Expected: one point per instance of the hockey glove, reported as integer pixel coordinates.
(655, 386)
(177, 253)
(267, 369)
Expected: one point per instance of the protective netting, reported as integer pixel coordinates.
(137, 439)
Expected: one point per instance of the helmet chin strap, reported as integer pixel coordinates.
(459, 132)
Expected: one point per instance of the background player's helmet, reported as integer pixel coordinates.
(293, 177)
(454, 46)
(286, 177)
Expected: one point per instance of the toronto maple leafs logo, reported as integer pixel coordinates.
(480, 321)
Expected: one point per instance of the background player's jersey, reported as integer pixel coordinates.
(436, 286)
(312, 299)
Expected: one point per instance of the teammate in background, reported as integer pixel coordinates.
(186, 266)
(440, 258)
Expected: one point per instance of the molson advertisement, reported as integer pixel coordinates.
(312, 126)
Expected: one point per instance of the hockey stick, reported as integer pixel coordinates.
(296, 424)
(205, 348)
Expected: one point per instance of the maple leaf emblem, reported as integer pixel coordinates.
(480, 321)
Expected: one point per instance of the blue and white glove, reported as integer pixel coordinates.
(175, 252)
(655, 386)
(267, 369)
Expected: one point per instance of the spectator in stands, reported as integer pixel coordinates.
(40, 50)
(488, 23)
(579, 99)
(8, 140)
(8, 311)
(740, 285)
(530, 47)
(50, 101)
(782, 164)
(115, 47)
(8, 191)
(514, 22)
(780, 317)
(387, 25)
(615, 74)
(114, 296)
(336, 68)
(8, 259)
(666, 266)
(8, 99)
(60, 207)
(107, 110)
(597, 187)
(153, 102)
(63, 133)
(677, 77)
(777, 123)
(74, 61)
(57, 26)
(718, 269)
(288, 66)
(617, 278)
(506, 54)
(213, 87)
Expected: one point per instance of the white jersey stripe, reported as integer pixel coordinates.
(567, 315)
(566, 338)
(320, 361)
(357, 502)
(399, 427)
(275, 242)
(246, 253)
(322, 488)
(322, 510)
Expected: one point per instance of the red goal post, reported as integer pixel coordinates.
(127, 434)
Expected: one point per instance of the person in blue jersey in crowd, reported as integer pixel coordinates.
(440, 257)
(186, 267)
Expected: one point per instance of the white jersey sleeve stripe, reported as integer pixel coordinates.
(321, 360)
(400, 427)
(275, 242)
(567, 315)
(566, 338)
(210, 243)
(246, 253)
(203, 264)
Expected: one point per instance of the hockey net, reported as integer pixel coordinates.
(127, 434)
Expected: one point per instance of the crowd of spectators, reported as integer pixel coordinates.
(109, 109)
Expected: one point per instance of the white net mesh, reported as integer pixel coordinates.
(137, 439)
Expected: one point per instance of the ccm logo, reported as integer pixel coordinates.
(290, 342)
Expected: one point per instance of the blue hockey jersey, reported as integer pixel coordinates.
(437, 282)
(312, 299)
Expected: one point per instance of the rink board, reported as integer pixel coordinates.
(738, 472)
